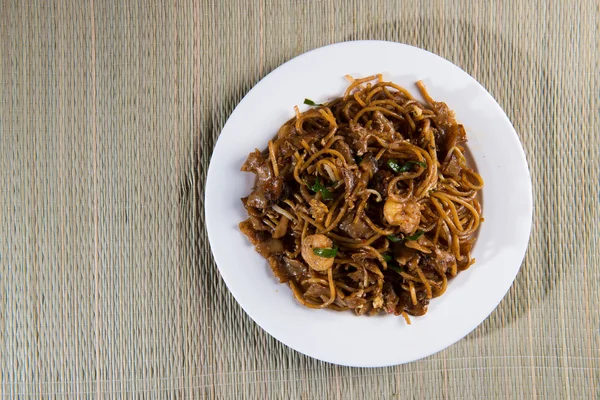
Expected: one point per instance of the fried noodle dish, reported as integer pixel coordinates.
(366, 203)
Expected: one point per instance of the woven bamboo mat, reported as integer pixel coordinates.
(108, 116)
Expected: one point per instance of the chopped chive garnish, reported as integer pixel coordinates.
(318, 188)
(395, 268)
(311, 103)
(394, 238)
(394, 166)
(325, 252)
(416, 236)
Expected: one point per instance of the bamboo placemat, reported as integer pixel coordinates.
(108, 116)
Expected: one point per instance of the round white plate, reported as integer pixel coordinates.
(341, 337)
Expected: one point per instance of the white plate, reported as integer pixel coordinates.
(341, 337)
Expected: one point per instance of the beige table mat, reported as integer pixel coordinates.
(109, 113)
